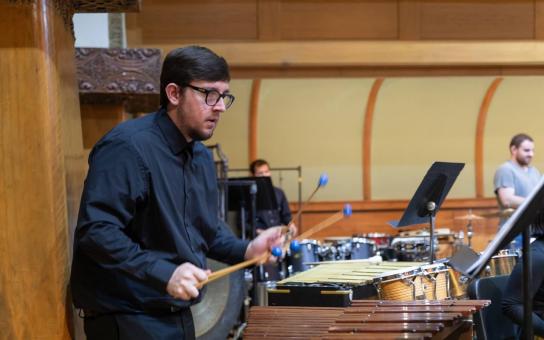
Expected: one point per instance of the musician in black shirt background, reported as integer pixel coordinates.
(269, 218)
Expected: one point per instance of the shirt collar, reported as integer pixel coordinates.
(175, 139)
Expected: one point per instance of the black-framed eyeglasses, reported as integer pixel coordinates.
(213, 96)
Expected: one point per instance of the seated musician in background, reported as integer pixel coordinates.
(149, 216)
(269, 218)
(512, 301)
(516, 178)
(265, 219)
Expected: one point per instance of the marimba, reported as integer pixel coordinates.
(367, 319)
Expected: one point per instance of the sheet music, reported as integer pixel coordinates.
(493, 247)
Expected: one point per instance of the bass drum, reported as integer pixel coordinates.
(220, 308)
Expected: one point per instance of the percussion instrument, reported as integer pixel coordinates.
(366, 319)
(220, 307)
(435, 281)
(335, 283)
(309, 251)
(415, 248)
(362, 248)
(501, 264)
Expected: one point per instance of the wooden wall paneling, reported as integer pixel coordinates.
(501, 19)
(409, 19)
(367, 138)
(39, 162)
(307, 20)
(479, 141)
(198, 20)
(133, 27)
(268, 17)
(254, 120)
(97, 120)
(539, 19)
(381, 55)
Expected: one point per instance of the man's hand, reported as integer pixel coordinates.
(267, 239)
(184, 279)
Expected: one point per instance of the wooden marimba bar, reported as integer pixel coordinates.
(367, 319)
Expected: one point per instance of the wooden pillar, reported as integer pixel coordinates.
(40, 167)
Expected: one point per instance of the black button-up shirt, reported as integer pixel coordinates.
(271, 218)
(149, 204)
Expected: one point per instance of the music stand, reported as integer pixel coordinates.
(239, 196)
(260, 196)
(529, 212)
(429, 197)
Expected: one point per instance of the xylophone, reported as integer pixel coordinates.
(367, 319)
(336, 283)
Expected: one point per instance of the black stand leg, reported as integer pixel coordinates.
(431, 235)
(527, 300)
(256, 271)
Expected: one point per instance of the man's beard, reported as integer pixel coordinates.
(525, 161)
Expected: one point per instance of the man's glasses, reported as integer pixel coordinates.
(213, 96)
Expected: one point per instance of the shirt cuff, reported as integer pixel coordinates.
(160, 273)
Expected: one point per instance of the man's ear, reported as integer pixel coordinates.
(173, 92)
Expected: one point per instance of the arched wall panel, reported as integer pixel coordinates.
(315, 123)
(421, 120)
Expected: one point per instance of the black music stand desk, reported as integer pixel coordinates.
(428, 198)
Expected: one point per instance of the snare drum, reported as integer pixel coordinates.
(362, 248)
(404, 285)
(436, 281)
(309, 250)
(501, 264)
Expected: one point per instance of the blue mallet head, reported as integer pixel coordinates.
(295, 246)
(276, 251)
(347, 210)
(323, 180)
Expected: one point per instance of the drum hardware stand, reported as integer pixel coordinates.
(469, 230)
(431, 207)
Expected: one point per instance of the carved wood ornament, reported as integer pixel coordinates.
(129, 76)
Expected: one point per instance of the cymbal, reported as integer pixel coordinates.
(469, 217)
(501, 213)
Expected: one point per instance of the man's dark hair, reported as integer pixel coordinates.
(518, 139)
(183, 65)
(257, 163)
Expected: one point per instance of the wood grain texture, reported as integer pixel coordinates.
(254, 120)
(477, 20)
(338, 20)
(367, 138)
(346, 54)
(97, 120)
(186, 20)
(479, 140)
(40, 162)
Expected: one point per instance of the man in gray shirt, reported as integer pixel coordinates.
(515, 179)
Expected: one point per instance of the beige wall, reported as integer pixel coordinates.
(318, 124)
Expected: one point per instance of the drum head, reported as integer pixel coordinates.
(220, 308)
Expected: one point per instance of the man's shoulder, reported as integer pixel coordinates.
(130, 131)
(505, 167)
